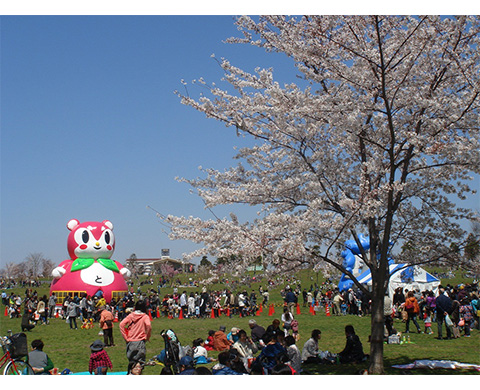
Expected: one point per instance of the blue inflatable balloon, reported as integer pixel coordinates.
(349, 260)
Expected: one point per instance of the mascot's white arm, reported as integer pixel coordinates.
(58, 272)
(126, 273)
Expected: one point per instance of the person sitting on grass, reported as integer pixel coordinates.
(200, 353)
(38, 359)
(310, 348)
(209, 341)
(220, 341)
(186, 366)
(223, 367)
(353, 351)
(294, 354)
(271, 354)
(245, 346)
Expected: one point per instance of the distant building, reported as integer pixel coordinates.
(150, 264)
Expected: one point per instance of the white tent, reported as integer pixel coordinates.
(406, 276)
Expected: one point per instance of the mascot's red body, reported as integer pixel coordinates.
(90, 269)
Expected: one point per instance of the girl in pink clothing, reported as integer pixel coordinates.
(136, 329)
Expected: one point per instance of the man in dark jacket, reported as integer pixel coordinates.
(290, 300)
(444, 306)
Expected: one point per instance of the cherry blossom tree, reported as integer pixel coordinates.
(379, 137)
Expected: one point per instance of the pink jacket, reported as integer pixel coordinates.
(136, 326)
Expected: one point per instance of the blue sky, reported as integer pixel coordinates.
(91, 128)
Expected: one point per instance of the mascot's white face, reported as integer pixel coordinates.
(90, 239)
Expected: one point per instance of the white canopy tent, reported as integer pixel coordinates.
(406, 276)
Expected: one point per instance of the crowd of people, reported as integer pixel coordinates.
(256, 350)
(453, 308)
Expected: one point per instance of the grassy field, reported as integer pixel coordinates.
(70, 348)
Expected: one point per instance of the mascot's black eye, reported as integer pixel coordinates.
(107, 237)
(85, 236)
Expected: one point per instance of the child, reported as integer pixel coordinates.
(294, 325)
(428, 321)
(209, 341)
(466, 314)
(99, 361)
(200, 353)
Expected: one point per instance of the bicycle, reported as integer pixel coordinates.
(13, 354)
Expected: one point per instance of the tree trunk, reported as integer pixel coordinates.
(377, 324)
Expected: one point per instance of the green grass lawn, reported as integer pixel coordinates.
(70, 348)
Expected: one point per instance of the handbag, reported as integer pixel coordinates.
(461, 322)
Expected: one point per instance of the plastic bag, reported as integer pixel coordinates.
(448, 321)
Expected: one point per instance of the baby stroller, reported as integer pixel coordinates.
(172, 349)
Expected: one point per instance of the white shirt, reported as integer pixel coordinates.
(199, 351)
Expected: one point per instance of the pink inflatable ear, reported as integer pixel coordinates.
(72, 224)
(108, 224)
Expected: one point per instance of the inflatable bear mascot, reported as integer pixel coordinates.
(90, 269)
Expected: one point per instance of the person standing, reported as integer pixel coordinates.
(337, 303)
(72, 313)
(290, 300)
(191, 305)
(387, 314)
(444, 306)
(136, 329)
(52, 302)
(412, 308)
(106, 324)
(184, 304)
(287, 318)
